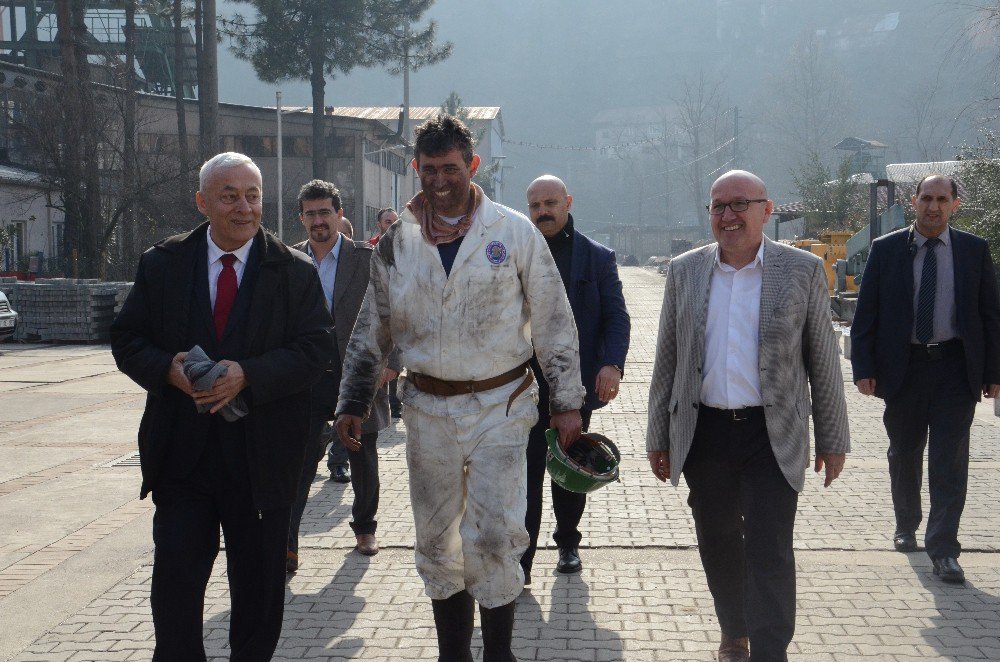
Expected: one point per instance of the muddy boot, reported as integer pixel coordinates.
(453, 619)
(498, 629)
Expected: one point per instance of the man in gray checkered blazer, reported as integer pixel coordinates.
(745, 353)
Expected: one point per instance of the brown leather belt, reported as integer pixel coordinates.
(446, 387)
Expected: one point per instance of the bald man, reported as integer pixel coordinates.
(590, 277)
(733, 385)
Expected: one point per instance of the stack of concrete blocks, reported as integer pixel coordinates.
(66, 310)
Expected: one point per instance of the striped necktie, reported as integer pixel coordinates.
(924, 324)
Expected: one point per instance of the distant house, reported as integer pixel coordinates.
(33, 226)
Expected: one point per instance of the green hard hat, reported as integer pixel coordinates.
(590, 463)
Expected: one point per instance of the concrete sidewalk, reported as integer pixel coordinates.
(75, 544)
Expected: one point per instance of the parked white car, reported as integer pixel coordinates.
(8, 318)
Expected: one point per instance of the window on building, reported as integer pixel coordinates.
(12, 234)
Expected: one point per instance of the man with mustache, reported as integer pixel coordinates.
(257, 308)
(745, 352)
(926, 339)
(464, 288)
(343, 270)
(590, 276)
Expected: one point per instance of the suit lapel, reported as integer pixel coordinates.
(347, 273)
(771, 285)
(264, 293)
(702, 289)
(576, 263)
(958, 272)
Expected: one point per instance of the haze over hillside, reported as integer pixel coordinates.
(912, 73)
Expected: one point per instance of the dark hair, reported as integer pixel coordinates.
(443, 134)
(317, 189)
(954, 184)
(383, 210)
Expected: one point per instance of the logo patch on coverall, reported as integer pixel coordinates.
(496, 252)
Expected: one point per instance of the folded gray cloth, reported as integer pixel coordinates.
(202, 372)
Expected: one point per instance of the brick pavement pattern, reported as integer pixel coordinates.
(75, 548)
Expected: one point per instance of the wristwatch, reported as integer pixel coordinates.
(621, 372)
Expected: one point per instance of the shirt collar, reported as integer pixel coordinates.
(757, 263)
(335, 251)
(920, 239)
(214, 252)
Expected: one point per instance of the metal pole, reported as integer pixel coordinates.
(281, 224)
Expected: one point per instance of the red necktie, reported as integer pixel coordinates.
(225, 294)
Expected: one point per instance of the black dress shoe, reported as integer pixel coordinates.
(947, 568)
(339, 474)
(569, 561)
(905, 542)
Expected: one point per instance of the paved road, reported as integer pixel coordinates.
(75, 547)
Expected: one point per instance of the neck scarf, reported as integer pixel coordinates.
(434, 230)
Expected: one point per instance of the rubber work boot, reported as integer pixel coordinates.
(498, 629)
(453, 619)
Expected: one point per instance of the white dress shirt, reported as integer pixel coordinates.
(215, 264)
(327, 269)
(730, 377)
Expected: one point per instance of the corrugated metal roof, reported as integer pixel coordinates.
(914, 172)
(386, 113)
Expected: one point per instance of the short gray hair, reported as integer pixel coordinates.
(222, 162)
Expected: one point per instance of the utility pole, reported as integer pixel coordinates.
(208, 91)
(281, 221)
(406, 84)
(736, 137)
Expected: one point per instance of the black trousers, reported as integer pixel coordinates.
(744, 513)
(568, 506)
(186, 524)
(364, 481)
(934, 402)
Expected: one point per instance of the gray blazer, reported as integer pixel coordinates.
(348, 294)
(798, 356)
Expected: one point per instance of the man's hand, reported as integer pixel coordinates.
(834, 465)
(387, 376)
(659, 462)
(176, 376)
(224, 389)
(866, 386)
(991, 390)
(608, 380)
(349, 431)
(570, 424)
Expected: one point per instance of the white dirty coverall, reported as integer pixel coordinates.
(466, 455)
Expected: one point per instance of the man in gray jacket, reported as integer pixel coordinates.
(343, 272)
(745, 339)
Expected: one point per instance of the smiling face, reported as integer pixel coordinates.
(934, 205)
(739, 233)
(233, 203)
(445, 180)
(320, 219)
(549, 205)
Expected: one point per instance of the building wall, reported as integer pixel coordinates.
(38, 225)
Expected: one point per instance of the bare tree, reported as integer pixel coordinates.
(807, 106)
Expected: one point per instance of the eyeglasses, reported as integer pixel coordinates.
(719, 208)
(318, 213)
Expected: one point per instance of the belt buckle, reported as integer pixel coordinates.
(932, 345)
(740, 415)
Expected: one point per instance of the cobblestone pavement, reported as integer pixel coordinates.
(75, 548)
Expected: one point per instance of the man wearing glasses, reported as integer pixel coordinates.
(343, 272)
(729, 408)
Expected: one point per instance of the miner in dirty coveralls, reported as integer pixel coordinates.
(464, 287)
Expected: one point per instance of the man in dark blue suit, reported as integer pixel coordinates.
(590, 276)
(926, 339)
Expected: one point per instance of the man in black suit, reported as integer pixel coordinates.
(590, 276)
(257, 308)
(926, 339)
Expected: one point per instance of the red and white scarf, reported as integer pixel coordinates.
(436, 231)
